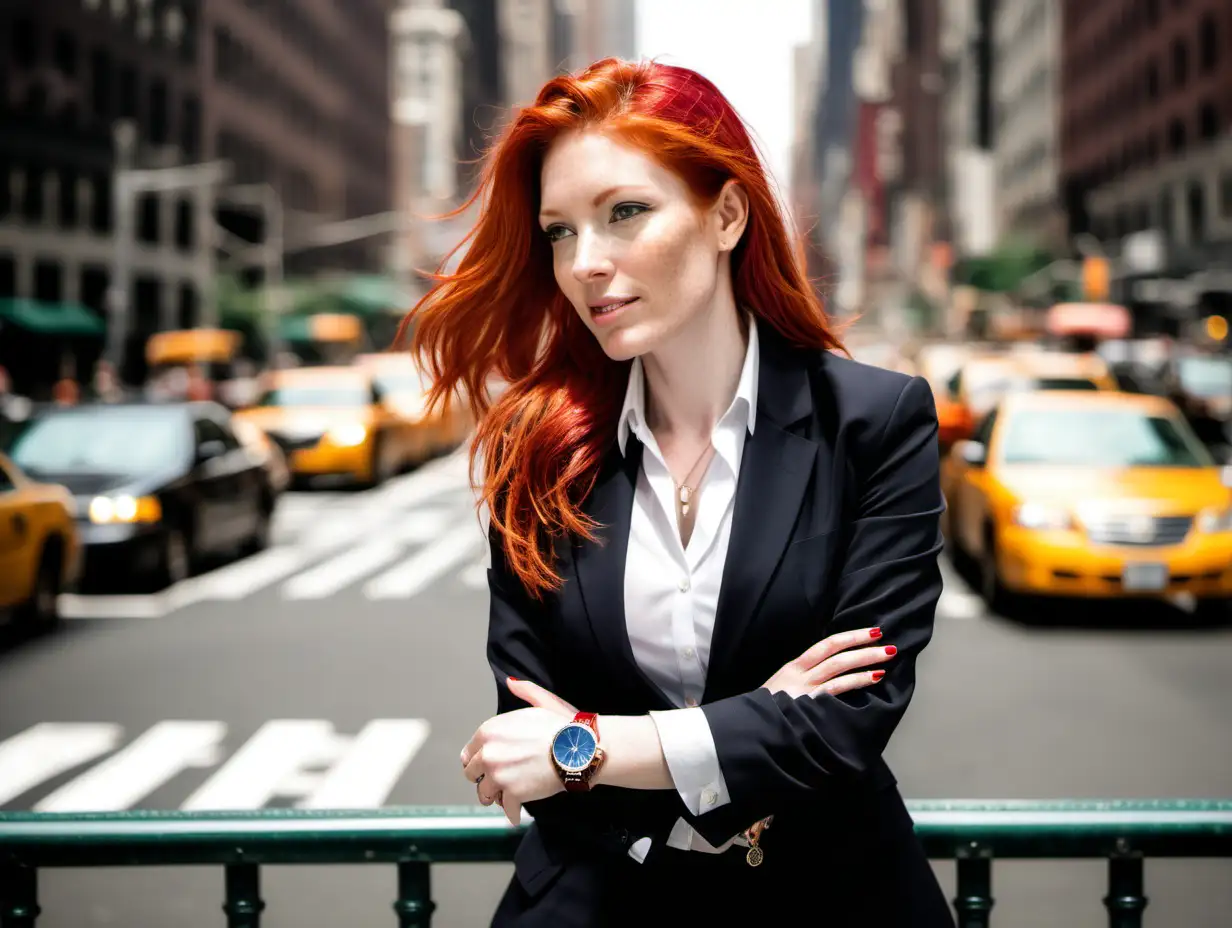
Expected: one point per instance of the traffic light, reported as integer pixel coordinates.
(1095, 278)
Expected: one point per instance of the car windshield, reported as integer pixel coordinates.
(334, 395)
(109, 441)
(1206, 376)
(401, 384)
(1062, 383)
(1100, 438)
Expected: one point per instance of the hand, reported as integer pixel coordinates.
(826, 666)
(510, 751)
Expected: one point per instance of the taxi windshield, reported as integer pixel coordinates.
(1206, 376)
(331, 395)
(1100, 438)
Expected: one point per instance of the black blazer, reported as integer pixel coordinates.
(836, 526)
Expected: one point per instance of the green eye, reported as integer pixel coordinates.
(556, 233)
(624, 211)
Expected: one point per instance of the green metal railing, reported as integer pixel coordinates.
(974, 833)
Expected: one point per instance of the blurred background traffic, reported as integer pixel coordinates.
(239, 559)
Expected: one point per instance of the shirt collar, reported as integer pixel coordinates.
(743, 405)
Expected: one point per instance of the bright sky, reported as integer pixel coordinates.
(745, 47)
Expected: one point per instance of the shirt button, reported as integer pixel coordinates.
(684, 584)
(710, 797)
(691, 702)
(688, 652)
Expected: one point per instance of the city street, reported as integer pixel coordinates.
(344, 667)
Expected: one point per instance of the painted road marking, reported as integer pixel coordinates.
(426, 565)
(49, 749)
(124, 779)
(366, 774)
(332, 575)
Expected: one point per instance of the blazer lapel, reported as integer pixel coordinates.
(600, 565)
(774, 476)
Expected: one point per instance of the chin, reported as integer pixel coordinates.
(625, 344)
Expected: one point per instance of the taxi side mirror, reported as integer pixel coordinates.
(972, 453)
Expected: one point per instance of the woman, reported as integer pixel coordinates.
(710, 534)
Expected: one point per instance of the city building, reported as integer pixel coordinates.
(1026, 98)
(526, 47)
(82, 80)
(1146, 149)
(583, 31)
(291, 94)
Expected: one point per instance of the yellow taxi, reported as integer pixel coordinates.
(405, 388)
(333, 422)
(1090, 494)
(40, 551)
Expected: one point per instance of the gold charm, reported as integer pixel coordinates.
(755, 856)
(753, 834)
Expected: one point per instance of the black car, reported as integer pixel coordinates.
(159, 486)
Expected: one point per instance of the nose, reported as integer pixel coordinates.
(590, 258)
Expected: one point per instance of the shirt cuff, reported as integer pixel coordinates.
(692, 759)
(640, 848)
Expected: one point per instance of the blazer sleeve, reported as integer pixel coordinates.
(518, 647)
(775, 750)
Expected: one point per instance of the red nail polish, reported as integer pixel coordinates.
(874, 633)
(877, 675)
(512, 680)
(891, 650)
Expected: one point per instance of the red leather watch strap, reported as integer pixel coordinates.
(589, 719)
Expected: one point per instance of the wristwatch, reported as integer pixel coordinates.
(576, 754)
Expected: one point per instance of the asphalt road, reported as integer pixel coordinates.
(345, 667)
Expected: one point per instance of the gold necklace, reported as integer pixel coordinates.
(684, 492)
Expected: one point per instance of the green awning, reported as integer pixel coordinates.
(295, 328)
(67, 319)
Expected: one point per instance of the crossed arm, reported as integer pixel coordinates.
(798, 734)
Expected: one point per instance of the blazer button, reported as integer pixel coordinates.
(710, 797)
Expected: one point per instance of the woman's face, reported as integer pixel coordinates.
(631, 250)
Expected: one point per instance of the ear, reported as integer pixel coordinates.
(731, 212)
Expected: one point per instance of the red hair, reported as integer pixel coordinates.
(501, 314)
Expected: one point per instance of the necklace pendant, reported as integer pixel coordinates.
(685, 493)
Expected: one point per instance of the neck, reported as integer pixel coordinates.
(690, 380)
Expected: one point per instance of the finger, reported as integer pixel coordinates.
(538, 697)
(487, 792)
(848, 682)
(513, 810)
(475, 768)
(832, 645)
(849, 661)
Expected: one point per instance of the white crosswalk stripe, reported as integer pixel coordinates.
(303, 760)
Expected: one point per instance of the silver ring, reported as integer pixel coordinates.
(479, 779)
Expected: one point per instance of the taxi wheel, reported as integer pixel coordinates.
(175, 559)
(42, 610)
(1214, 610)
(995, 596)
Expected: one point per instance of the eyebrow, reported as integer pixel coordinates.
(599, 198)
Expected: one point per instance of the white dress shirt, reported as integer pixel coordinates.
(672, 591)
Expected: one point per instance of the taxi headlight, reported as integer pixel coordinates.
(106, 510)
(348, 435)
(1215, 520)
(1042, 517)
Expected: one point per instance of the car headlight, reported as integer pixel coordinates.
(1042, 517)
(107, 510)
(348, 435)
(1215, 520)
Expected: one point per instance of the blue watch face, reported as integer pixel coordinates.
(574, 747)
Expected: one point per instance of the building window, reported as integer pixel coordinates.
(1176, 137)
(68, 206)
(184, 224)
(25, 43)
(8, 276)
(187, 306)
(100, 83)
(1196, 196)
(48, 281)
(1225, 194)
(147, 218)
(100, 204)
(1180, 63)
(93, 289)
(128, 92)
(1152, 12)
(1152, 81)
(1208, 121)
(190, 127)
(1208, 43)
(32, 195)
(65, 53)
(160, 118)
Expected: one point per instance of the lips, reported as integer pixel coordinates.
(602, 309)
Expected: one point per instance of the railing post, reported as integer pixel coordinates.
(414, 905)
(974, 901)
(1125, 901)
(244, 904)
(19, 906)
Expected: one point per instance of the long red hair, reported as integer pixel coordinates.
(500, 313)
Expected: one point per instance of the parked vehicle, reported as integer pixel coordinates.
(158, 488)
(40, 551)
